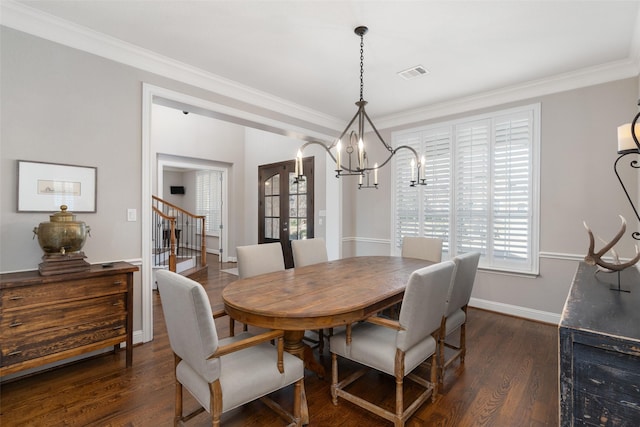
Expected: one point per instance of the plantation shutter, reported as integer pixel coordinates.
(512, 190)
(408, 215)
(472, 187)
(209, 199)
(437, 193)
(481, 177)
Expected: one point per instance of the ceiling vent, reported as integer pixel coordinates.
(413, 72)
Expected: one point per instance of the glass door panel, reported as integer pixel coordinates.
(285, 205)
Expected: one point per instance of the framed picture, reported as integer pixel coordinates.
(44, 187)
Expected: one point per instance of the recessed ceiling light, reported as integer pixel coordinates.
(413, 72)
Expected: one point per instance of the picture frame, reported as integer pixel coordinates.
(44, 187)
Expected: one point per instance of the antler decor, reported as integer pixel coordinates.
(595, 258)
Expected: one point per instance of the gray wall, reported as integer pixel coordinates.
(578, 149)
(62, 105)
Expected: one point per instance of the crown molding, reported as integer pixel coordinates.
(26, 19)
(591, 76)
(31, 21)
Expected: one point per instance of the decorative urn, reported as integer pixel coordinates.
(63, 234)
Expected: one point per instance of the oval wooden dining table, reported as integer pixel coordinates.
(319, 296)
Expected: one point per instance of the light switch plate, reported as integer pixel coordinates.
(131, 214)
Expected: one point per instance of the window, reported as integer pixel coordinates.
(482, 187)
(209, 199)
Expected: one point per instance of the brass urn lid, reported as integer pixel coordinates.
(63, 215)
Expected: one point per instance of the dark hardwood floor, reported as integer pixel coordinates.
(510, 378)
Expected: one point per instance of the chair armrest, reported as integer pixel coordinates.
(247, 342)
(387, 323)
(219, 312)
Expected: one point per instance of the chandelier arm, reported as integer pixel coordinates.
(346, 129)
(393, 152)
(633, 131)
(636, 165)
(387, 146)
(322, 144)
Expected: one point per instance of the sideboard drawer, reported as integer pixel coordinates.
(41, 295)
(25, 322)
(18, 349)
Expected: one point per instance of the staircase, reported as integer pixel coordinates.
(179, 243)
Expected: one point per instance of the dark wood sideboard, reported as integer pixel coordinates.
(45, 319)
(600, 350)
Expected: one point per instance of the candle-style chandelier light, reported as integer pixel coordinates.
(351, 144)
(628, 144)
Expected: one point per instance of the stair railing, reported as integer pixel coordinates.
(177, 235)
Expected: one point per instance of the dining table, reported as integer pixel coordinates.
(319, 296)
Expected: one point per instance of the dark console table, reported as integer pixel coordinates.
(600, 350)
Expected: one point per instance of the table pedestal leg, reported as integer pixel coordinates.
(293, 344)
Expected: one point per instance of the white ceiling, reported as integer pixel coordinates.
(305, 52)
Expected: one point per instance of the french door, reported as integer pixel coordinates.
(285, 205)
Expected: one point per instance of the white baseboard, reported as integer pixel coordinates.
(514, 310)
(137, 338)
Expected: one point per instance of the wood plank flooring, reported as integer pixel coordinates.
(510, 378)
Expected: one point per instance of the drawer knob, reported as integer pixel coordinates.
(15, 324)
(15, 298)
(15, 353)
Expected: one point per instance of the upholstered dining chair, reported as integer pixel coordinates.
(222, 374)
(308, 252)
(398, 347)
(259, 259)
(427, 248)
(456, 310)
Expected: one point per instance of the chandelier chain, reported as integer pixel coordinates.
(361, 66)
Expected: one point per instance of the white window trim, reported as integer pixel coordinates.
(535, 179)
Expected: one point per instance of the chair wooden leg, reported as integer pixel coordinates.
(178, 412)
(215, 393)
(440, 350)
(440, 360)
(463, 341)
(398, 419)
(334, 378)
(232, 326)
(320, 341)
(178, 403)
(297, 402)
(434, 377)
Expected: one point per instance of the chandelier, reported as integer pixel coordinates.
(628, 144)
(350, 148)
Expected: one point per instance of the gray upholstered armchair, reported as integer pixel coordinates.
(398, 347)
(222, 374)
(259, 259)
(456, 310)
(309, 252)
(426, 248)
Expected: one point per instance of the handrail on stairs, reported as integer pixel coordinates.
(173, 224)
